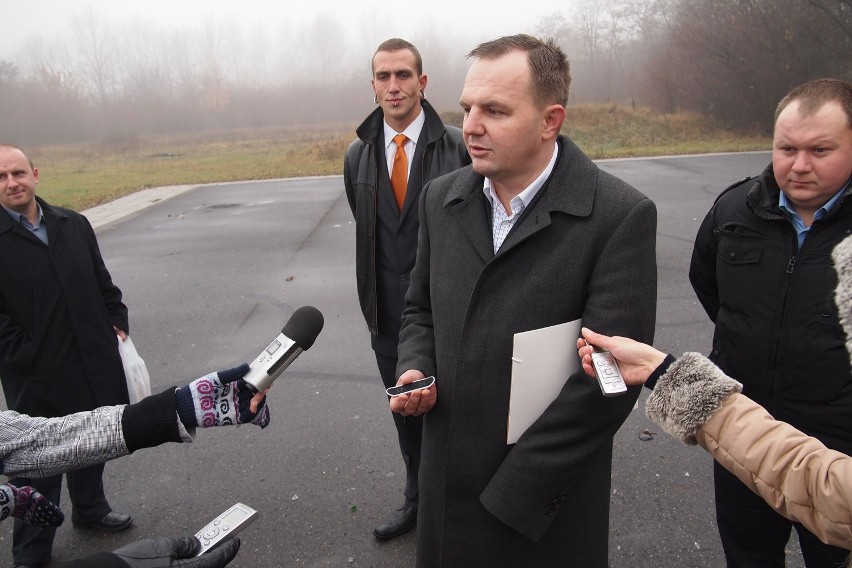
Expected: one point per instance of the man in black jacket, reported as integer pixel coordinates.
(61, 318)
(404, 135)
(762, 269)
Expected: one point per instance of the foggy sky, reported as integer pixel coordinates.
(370, 20)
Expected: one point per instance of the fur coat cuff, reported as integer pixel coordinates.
(842, 255)
(687, 395)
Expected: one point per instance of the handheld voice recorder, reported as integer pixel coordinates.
(225, 526)
(607, 373)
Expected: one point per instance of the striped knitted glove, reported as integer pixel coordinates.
(28, 505)
(219, 399)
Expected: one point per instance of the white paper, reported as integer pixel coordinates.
(542, 361)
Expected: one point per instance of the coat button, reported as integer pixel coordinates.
(732, 255)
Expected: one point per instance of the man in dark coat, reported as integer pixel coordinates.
(762, 269)
(60, 321)
(386, 230)
(531, 235)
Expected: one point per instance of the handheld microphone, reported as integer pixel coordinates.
(298, 334)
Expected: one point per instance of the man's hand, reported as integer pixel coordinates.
(28, 505)
(221, 399)
(416, 402)
(164, 552)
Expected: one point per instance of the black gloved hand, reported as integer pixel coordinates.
(162, 552)
(219, 399)
(28, 505)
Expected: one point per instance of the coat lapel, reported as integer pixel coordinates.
(570, 189)
(415, 176)
(53, 220)
(6, 222)
(384, 191)
(467, 205)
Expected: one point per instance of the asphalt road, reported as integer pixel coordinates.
(210, 277)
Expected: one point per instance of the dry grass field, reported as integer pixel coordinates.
(81, 176)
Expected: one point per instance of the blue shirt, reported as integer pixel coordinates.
(39, 229)
(801, 230)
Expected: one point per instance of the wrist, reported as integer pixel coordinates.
(185, 406)
(659, 371)
(151, 421)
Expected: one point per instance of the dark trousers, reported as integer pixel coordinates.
(754, 535)
(32, 545)
(409, 430)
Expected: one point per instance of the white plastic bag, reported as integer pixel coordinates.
(138, 381)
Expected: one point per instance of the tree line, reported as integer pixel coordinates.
(730, 60)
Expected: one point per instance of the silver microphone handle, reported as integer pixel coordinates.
(264, 378)
(271, 362)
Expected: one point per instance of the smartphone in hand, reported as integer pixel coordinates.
(412, 386)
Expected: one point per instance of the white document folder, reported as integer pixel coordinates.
(542, 361)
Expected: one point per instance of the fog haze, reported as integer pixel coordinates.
(73, 71)
(369, 21)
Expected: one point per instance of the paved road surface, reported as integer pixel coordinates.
(211, 275)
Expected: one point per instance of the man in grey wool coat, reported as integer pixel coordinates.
(531, 235)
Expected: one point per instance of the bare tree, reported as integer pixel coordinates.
(600, 39)
(95, 47)
(737, 58)
(444, 63)
(10, 100)
(323, 48)
(838, 11)
(257, 64)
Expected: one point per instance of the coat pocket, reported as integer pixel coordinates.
(739, 247)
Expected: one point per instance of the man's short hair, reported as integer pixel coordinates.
(549, 67)
(812, 95)
(21, 150)
(397, 44)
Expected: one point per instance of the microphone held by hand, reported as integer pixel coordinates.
(298, 334)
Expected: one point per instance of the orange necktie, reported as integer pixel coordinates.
(399, 172)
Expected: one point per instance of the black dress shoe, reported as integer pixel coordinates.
(111, 522)
(400, 522)
(38, 565)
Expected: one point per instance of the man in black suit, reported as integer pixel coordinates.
(404, 135)
(60, 320)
